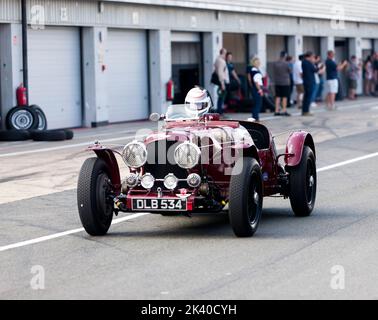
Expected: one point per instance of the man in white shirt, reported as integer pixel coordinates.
(298, 80)
(221, 70)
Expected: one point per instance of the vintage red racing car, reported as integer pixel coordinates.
(198, 163)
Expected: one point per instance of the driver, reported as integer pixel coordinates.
(198, 102)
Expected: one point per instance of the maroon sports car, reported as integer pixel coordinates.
(198, 163)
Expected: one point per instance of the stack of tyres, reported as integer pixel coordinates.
(30, 122)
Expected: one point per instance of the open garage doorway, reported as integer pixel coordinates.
(341, 54)
(311, 44)
(238, 97)
(237, 43)
(367, 46)
(186, 63)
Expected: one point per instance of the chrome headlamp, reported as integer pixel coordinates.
(135, 154)
(187, 155)
(147, 181)
(194, 180)
(131, 180)
(170, 181)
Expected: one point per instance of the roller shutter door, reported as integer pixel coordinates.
(127, 75)
(55, 74)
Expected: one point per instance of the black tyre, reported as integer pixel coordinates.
(246, 197)
(303, 184)
(14, 135)
(69, 134)
(42, 120)
(48, 135)
(22, 118)
(93, 197)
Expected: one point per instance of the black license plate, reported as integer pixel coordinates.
(159, 205)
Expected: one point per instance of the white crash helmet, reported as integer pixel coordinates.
(197, 102)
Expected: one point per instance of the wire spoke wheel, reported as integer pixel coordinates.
(22, 120)
(102, 196)
(246, 197)
(255, 199)
(303, 184)
(94, 197)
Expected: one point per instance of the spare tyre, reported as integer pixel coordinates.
(42, 120)
(22, 118)
(14, 135)
(48, 135)
(69, 134)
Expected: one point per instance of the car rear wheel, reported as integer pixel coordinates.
(303, 184)
(94, 197)
(246, 197)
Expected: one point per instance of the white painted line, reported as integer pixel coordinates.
(137, 215)
(82, 144)
(65, 233)
(345, 163)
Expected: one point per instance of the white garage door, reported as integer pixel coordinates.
(54, 75)
(127, 75)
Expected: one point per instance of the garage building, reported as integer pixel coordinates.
(97, 62)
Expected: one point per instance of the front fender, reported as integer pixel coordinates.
(295, 145)
(108, 156)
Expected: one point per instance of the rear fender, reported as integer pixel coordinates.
(295, 145)
(109, 158)
(252, 153)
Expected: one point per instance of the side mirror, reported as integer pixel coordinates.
(155, 117)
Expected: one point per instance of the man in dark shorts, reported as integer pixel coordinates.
(281, 78)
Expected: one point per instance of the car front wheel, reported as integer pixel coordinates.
(246, 197)
(94, 200)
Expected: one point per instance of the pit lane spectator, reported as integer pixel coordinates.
(309, 82)
(234, 78)
(298, 80)
(332, 69)
(321, 69)
(281, 79)
(353, 74)
(375, 67)
(255, 80)
(369, 85)
(221, 70)
(290, 61)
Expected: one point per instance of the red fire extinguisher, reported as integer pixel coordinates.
(21, 95)
(170, 90)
